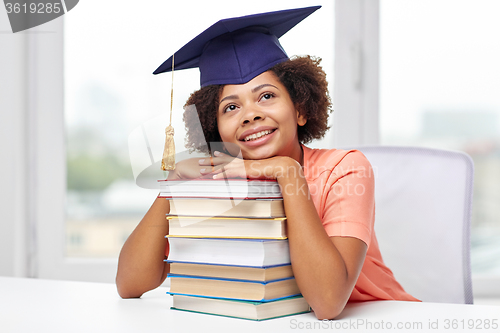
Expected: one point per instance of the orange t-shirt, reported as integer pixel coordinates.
(342, 187)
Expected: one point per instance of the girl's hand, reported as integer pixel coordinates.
(215, 164)
(226, 166)
(199, 167)
(187, 169)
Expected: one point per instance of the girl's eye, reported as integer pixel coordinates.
(267, 96)
(229, 108)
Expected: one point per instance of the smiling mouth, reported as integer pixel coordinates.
(257, 135)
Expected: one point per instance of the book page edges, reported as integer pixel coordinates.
(245, 318)
(236, 299)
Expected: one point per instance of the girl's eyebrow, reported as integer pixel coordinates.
(228, 97)
(253, 91)
(263, 86)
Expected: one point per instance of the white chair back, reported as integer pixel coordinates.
(423, 201)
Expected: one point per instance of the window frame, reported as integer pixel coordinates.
(13, 149)
(47, 179)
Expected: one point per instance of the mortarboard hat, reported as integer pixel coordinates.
(232, 51)
(235, 50)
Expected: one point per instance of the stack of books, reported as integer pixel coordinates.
(229, 251)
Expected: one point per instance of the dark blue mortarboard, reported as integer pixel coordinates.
(235, 50)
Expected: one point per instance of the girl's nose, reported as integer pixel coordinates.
(252, 115)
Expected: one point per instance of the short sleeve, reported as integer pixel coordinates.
(348, 200)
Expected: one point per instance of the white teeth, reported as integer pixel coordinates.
(256, 135)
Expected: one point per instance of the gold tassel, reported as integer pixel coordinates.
(168, 160)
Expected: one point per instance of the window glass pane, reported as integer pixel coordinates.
(111, 49)
(439, 87)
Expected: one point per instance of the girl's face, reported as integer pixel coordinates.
(259, 118)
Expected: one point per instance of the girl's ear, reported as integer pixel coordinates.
(301, 119)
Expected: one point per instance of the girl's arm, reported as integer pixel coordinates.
(140, 266)
(325, 268)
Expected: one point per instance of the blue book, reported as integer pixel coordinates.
(235, 289)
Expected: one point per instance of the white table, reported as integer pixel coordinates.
(34, 305)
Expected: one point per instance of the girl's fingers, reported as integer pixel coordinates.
(231, 170)
(213, 168)
(205, 171)
(206, 161)
(231, 173)
(223, 166)
(218, 159)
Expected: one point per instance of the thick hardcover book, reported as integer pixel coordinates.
(262, 208)
(220, 188)
(247, 290)
(226, 227)
(241, 309)
(228, 251)
(232, 272)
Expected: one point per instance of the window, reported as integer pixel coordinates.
(110, 93)
(439, 85)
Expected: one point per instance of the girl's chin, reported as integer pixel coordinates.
(257, 155)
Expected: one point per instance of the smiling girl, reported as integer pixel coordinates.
(265, 116)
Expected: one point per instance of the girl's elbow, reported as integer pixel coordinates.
(126, 290)
(128, 294)
(329, 307)
(328, 312)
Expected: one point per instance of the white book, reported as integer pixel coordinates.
(238, 252)
(220, 188)
(242, 309)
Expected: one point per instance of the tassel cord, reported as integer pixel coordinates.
(168, 159)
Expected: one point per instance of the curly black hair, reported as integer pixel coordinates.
(306, 83)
